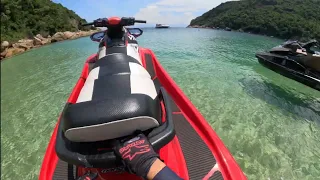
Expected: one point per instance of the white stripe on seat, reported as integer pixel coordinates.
(87, 89)
(102, 52)
(94, 73)
(142, 85)
(133, 51)
(136, 69)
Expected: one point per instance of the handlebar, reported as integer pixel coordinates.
(87, 24)
(140, 21)
(114, 22)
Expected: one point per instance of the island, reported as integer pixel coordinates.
(28, 24)
(286, 19)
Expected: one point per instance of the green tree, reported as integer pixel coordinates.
(281, 18)
(25, 18)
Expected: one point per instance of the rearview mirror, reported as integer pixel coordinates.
(97, 36)
(136, 32)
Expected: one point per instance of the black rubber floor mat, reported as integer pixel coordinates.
(174, 106)
(157, 84)
(216, 176)
(198, 157)
(64, 171)
(149, 65)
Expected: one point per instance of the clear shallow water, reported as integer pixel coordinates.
(271, 124)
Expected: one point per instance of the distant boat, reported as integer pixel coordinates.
(162, 26)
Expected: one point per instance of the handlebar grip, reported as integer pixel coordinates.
(87, 24)
(140, 21)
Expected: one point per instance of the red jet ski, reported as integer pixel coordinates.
(122, 89)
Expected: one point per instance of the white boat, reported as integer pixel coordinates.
(162, 26)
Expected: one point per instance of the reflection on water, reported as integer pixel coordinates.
(285, 100)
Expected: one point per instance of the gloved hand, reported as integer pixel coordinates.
(88, 176)
(137, 154)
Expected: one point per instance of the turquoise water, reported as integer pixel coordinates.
(271, 124)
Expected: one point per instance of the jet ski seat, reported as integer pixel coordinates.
(117, 99)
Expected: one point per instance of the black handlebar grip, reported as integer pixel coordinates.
(140, 21)
(87, 24)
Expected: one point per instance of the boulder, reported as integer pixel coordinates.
(86, 33)
(13, 51)
(5, 44)
(39, 36)
(3, 53)
(46, 41)
(59, 36)
(8, 53)
(37, 41)
(75, 36)
(196, 26)
(69, 35)
(49, 36)
(81, 33)
(24, 43)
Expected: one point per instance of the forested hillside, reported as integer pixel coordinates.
(26, 18)
(280, 18)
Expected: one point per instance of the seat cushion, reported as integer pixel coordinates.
(118, 98)
(121, 68)
(131, 50)
(110, 118)
(103, 51)
(115, 58)
(116, 86)
(116, 76)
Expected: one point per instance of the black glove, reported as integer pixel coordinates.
(138, 154)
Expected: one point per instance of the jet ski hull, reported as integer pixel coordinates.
(196, 152)
(275, 63)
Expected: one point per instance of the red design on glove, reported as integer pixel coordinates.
(133, 149)
(137, 153)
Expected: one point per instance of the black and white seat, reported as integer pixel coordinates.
(118, 98)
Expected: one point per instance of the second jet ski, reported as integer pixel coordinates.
(295, 60)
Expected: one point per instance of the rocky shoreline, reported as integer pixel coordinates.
(203, 27)
(10, 49)
(304, 39)
(218, 28)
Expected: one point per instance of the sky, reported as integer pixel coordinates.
(172, 12)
